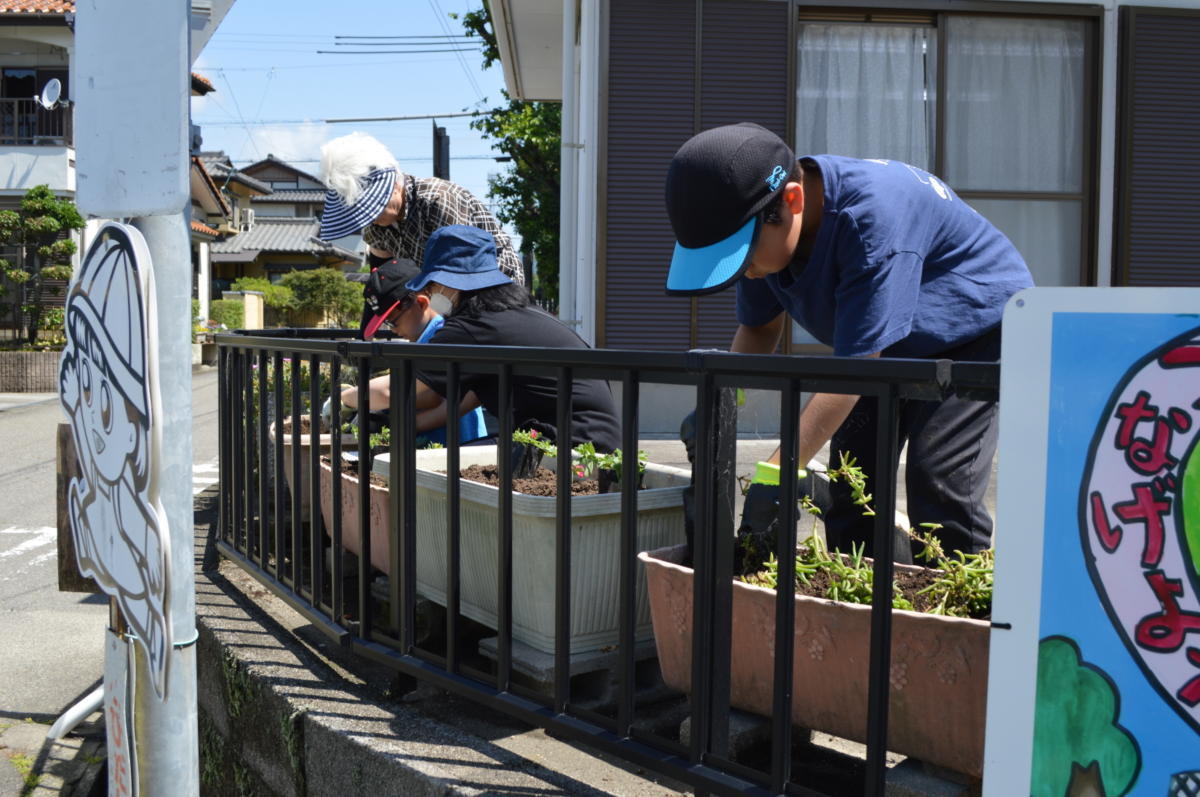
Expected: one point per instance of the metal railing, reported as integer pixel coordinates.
(27, 123)
(262, 530)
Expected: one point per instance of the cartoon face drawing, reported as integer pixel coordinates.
(118, 524)
(110, 424)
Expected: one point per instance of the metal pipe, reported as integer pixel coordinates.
(169, 726)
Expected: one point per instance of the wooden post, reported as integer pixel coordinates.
(69, 577)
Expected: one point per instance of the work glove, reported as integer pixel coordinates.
(757, 533)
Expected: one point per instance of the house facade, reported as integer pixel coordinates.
(1070, 125)
(277, 208)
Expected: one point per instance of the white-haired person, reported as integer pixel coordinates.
(397, 212)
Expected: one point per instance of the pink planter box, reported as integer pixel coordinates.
(938, 675)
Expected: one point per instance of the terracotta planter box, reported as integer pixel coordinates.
(324, 441)
(938, 672)
(596, 523)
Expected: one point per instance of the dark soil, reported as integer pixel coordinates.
(909, 585)
(545, 482)
(908, 582)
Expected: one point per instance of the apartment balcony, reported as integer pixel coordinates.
(36, 147)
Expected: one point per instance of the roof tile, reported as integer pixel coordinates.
(35, 6)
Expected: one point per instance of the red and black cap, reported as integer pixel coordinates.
(385, 290)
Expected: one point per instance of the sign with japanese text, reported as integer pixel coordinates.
(1097, 606)
(118, 674)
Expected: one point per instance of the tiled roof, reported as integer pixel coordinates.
(35, 7)
(293, 195)
(222, 170)
(201, 227)
(276, 235)
(271, 161)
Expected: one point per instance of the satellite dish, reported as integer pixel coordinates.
(51, 94)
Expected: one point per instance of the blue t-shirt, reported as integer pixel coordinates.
(470, 426)
(900, 265)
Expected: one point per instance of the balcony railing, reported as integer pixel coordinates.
(264, 530)
(27, 123)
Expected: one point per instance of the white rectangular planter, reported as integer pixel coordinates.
(595, 549)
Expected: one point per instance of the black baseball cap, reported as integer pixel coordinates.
(385, 290)
(717, 186)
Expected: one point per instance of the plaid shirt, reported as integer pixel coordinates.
(430, 203)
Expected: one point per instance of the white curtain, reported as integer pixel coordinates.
(1014, 122)
(1014, 104)
(866, 91)
(1047, 233)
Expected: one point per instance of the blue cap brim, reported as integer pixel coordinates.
(712, 268)
(459, 281)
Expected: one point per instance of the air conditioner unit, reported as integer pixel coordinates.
(247, 219)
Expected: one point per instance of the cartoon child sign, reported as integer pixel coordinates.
(107, 388)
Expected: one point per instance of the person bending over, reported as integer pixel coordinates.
(461, 281)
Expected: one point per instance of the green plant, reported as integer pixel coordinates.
(325, 290)
(960, 585)
(277, 297)
(963, 587)
(40, 231)
(228, 313)
(587, 460)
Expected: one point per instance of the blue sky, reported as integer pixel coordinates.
(273, 88)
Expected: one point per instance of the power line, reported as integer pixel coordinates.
(440, 16)
(348, 120)
(431, 36)
(395, 52)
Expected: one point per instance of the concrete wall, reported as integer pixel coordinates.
(663, 407)
(21, 168)
(253, 304)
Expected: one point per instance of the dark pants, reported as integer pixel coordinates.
(951, 444)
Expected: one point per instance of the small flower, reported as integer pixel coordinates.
(533, 435)
(579, 471)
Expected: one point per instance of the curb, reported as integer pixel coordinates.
(284, 711)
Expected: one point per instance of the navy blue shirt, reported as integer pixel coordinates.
(900, 265)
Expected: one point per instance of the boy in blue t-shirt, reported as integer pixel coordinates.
(873, 258)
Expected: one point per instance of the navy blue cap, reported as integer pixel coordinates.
(461, 257)
(717, 185)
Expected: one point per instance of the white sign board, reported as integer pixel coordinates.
(1095, 652)
(108, 385)
(131, 90)
(118, 715)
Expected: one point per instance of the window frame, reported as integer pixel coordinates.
(935, 13)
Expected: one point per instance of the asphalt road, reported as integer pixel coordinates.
(51, 642)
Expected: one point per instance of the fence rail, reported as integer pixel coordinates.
(26, 122)
(285, 545)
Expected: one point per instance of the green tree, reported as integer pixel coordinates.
(527, 192)
(36, 231)
(325, 290)
(277, 297)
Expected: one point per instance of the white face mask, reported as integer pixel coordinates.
(440, 304)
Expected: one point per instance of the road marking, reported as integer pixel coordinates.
(44, 536)
(204, 475)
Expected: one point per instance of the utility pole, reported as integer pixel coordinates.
(441, 152)
(132, 144)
